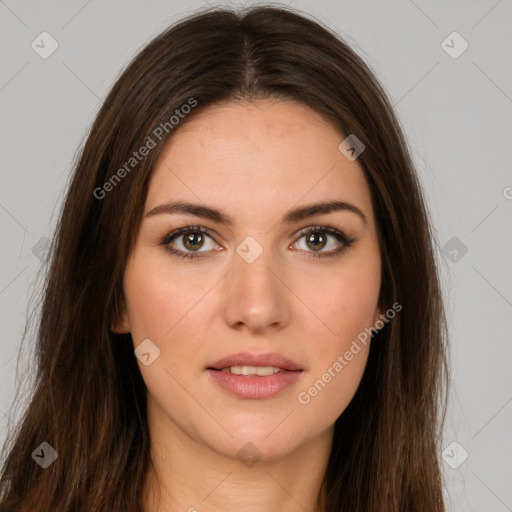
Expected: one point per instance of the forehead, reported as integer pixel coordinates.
(264, 157)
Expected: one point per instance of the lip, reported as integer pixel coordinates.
(255, 387)
(248, 359)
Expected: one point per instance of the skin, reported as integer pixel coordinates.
(254, 161)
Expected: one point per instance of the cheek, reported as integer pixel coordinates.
(338, 357)
(343, 304)
(159, 299)
(328, 392)
(339, 349)
(356, 300)
(161, 307)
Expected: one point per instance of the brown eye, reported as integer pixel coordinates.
(316, 241)
(318, 238)
(193, 241)
(186, 241)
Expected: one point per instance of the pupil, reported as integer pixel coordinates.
(189, 239)
(313, 237)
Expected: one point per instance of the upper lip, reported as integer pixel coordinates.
(248, 359)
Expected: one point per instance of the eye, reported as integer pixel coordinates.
(188, 238)
(188, 241)
(317, 238)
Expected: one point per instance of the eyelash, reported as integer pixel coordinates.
(339, 235)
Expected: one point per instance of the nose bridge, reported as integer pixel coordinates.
(255, 296)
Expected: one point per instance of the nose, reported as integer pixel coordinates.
(256, 296)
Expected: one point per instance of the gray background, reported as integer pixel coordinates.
(456, 113)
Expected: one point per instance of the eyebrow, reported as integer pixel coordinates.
(295, 215)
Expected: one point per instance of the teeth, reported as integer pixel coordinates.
(261, 371)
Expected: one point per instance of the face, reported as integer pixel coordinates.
(246, 275)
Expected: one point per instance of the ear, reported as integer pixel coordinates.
(123, 325)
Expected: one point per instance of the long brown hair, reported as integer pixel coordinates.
(88, 400)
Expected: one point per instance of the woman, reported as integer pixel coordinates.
(243, 308)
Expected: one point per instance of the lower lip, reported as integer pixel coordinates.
(255, 387)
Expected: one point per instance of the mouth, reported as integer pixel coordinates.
(245, 363)
(255, 376)
(261, 371)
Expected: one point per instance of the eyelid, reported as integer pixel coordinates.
(185, 229)
(180, 231)
(336, 232)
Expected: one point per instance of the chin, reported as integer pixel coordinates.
(252, 449)
(266, 440)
